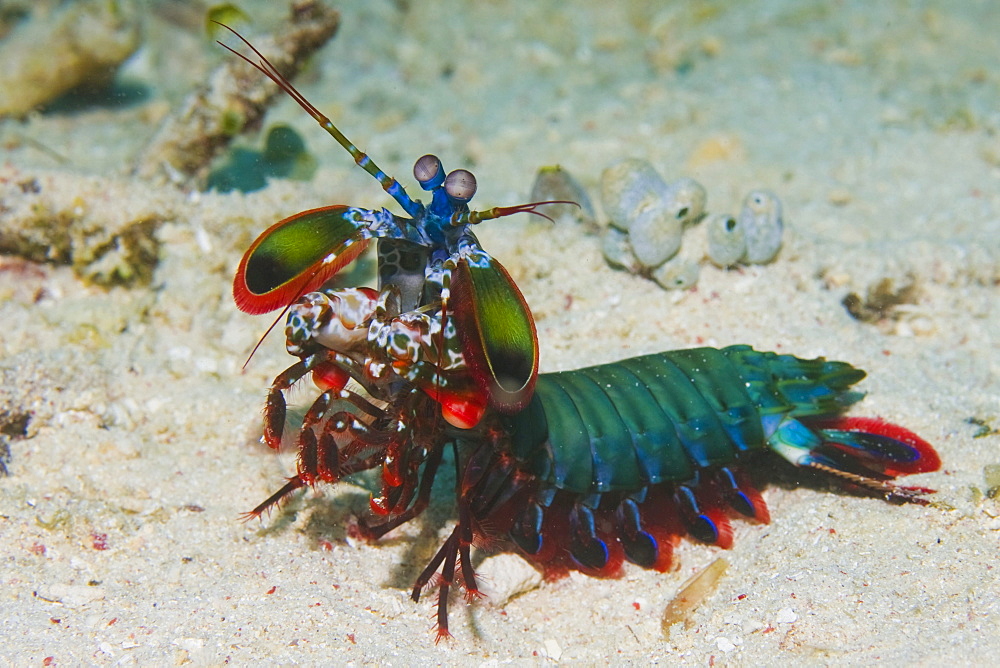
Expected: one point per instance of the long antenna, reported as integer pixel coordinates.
(388, 183)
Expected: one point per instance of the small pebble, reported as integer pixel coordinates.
(785, 616)
(71, 596)
(555, 183)
(762, 226)
(724, 644)
(726, 243)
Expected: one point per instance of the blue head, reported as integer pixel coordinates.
(450, 194)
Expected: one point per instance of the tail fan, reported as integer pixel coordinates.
(877, 445)
(866, 452)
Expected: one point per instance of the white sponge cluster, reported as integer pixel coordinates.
(649, 218)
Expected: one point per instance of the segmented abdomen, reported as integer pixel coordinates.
(662, 417)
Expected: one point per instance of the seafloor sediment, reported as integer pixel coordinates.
(129, 430)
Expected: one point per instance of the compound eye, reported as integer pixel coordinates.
(428, 172)
(460, 185)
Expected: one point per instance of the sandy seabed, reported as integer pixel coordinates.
(133, 433)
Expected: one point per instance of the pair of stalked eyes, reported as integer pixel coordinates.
(459, 185)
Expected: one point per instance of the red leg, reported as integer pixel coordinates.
(293, 484)
(464, 556)
(274, 409)
(446, 555)
(423, 499)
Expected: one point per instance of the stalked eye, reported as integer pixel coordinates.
(428, 172)
(460, 185)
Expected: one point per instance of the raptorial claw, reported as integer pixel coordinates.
(497, 331)
(297, 255)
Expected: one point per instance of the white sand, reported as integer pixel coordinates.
(877, 127)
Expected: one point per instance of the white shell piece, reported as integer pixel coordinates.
(762, 226)
(726, 242)
(506, 576)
